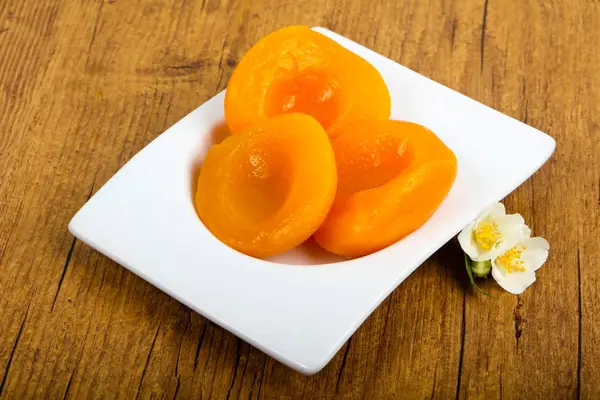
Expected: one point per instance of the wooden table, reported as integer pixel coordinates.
(85, 84)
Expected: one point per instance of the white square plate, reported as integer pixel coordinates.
(144, 219)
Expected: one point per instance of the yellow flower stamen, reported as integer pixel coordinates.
(511, 260)
(487, 234)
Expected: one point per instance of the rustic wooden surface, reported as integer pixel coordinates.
(85, 84)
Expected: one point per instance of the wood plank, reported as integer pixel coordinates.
(515, 347)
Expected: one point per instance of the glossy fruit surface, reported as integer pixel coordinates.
(392, 176)
(268, 189)
(296, 69)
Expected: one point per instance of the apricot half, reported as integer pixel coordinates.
(392, 176)
(296, 69)
(268, 189)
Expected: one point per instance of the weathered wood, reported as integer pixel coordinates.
(84, 85)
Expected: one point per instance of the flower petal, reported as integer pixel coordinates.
(492, 212)
(535, 253)
(495, 210)
(484, 255)
(467, 241)
(515, 282)
(510, 221)
(512, 228)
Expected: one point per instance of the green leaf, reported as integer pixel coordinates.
(470, 273)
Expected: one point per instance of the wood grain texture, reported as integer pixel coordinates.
(84, 85)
